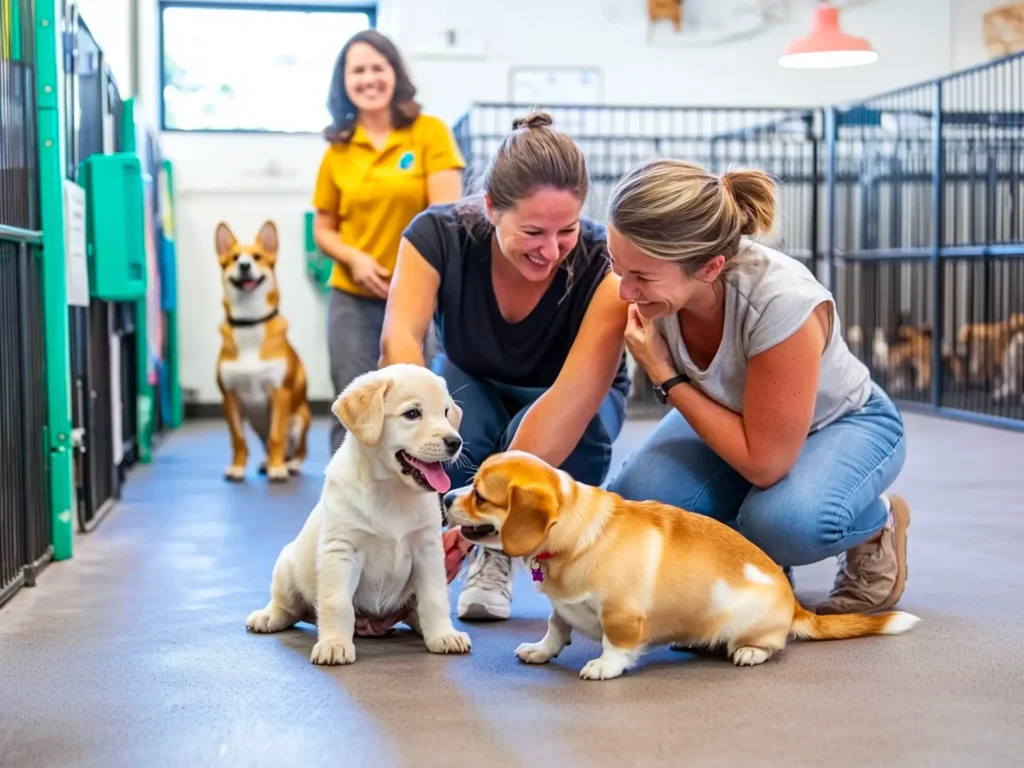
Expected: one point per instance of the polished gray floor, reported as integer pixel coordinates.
(135, 653)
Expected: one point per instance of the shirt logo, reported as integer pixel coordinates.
(406, 160)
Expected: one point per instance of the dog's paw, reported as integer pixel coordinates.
(234, 473)
(277, 474)
(294, 466)
(339, 651)
(603, 668)
(748, 656)
(268, 620)
(450, 642)
(535, 653)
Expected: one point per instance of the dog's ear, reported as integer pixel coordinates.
(455, 415)
(531, 513)
(267, 237)
(224, 239)
(360, 407)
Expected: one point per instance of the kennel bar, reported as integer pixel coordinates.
(25, 516)
(93, 329)
(928, 244)
(784, 141)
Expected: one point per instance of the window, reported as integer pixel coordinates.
(235, 67)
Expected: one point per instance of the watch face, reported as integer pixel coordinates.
(660, 394)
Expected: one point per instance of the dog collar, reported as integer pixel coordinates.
(235, 323)
(538, 574)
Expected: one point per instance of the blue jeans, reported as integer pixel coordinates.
(492, 411)
(828, 503)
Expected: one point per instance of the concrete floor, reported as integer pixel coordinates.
(135, 653)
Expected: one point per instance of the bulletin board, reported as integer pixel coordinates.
(555, 85)
(547, 87)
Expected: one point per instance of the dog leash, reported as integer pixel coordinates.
(235, 323)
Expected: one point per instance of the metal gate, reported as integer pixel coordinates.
(926, 239)
(96, 332)
(25, 524)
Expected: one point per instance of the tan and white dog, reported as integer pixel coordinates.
(373, 543)
(633, 574)
(261, 378)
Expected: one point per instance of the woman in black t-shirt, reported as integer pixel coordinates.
(530, 319)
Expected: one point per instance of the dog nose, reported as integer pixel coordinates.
(244, 267)
(449, 498)
(452, 444)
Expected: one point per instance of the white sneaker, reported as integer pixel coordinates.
(487, 593)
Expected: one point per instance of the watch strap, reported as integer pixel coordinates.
(661, 390)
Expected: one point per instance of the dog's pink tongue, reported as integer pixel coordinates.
(435, 475)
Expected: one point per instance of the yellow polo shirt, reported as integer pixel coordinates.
(376, 193)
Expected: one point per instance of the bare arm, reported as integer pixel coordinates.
(782, 382)
(556, 421)
(327, 239)
(365, 270)
(411, 303)
(444, 186)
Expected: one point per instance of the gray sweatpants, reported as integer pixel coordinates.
(354, 326)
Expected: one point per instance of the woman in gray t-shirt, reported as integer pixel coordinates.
(777, 427)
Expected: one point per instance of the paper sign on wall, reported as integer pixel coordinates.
(75, 245)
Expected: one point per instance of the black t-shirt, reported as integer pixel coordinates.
(475, 336)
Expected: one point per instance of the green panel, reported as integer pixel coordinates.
(55, 306)
(173, 359)
(318, 266)
(46, 55)
(114, 227)
(145, 400)
(15, 27)
(128, 125)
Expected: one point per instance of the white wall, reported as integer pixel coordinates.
(219, 177)
(968, 40)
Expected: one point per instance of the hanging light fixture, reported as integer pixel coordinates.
(827, 47)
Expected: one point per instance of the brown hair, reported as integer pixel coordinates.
(681, 212)
(404, 107)
(531, 156)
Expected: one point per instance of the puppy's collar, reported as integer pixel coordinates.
(237, 323)
(538, 574)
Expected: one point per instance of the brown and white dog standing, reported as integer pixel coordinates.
(261, 378)
(631, 574)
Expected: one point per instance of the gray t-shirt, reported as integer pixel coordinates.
(767, 300)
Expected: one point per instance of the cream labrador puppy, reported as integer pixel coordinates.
(373, 541)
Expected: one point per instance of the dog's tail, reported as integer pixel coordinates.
(811, 626)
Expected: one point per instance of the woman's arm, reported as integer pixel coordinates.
(411, 303)
(554, 424)
(327, 239)
(364, 269)
(444, 186)
(778, 405)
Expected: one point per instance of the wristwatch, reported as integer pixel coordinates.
(661, 390)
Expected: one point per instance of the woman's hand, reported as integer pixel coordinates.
(456, 547)
(369, 275)
(648, 347)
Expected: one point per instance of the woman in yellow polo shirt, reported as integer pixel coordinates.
(386, 162)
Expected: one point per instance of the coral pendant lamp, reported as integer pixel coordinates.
(827, 47)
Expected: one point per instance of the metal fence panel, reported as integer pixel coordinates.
(92, 98)
(25, 522)
(928, 239)
(13, 522)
